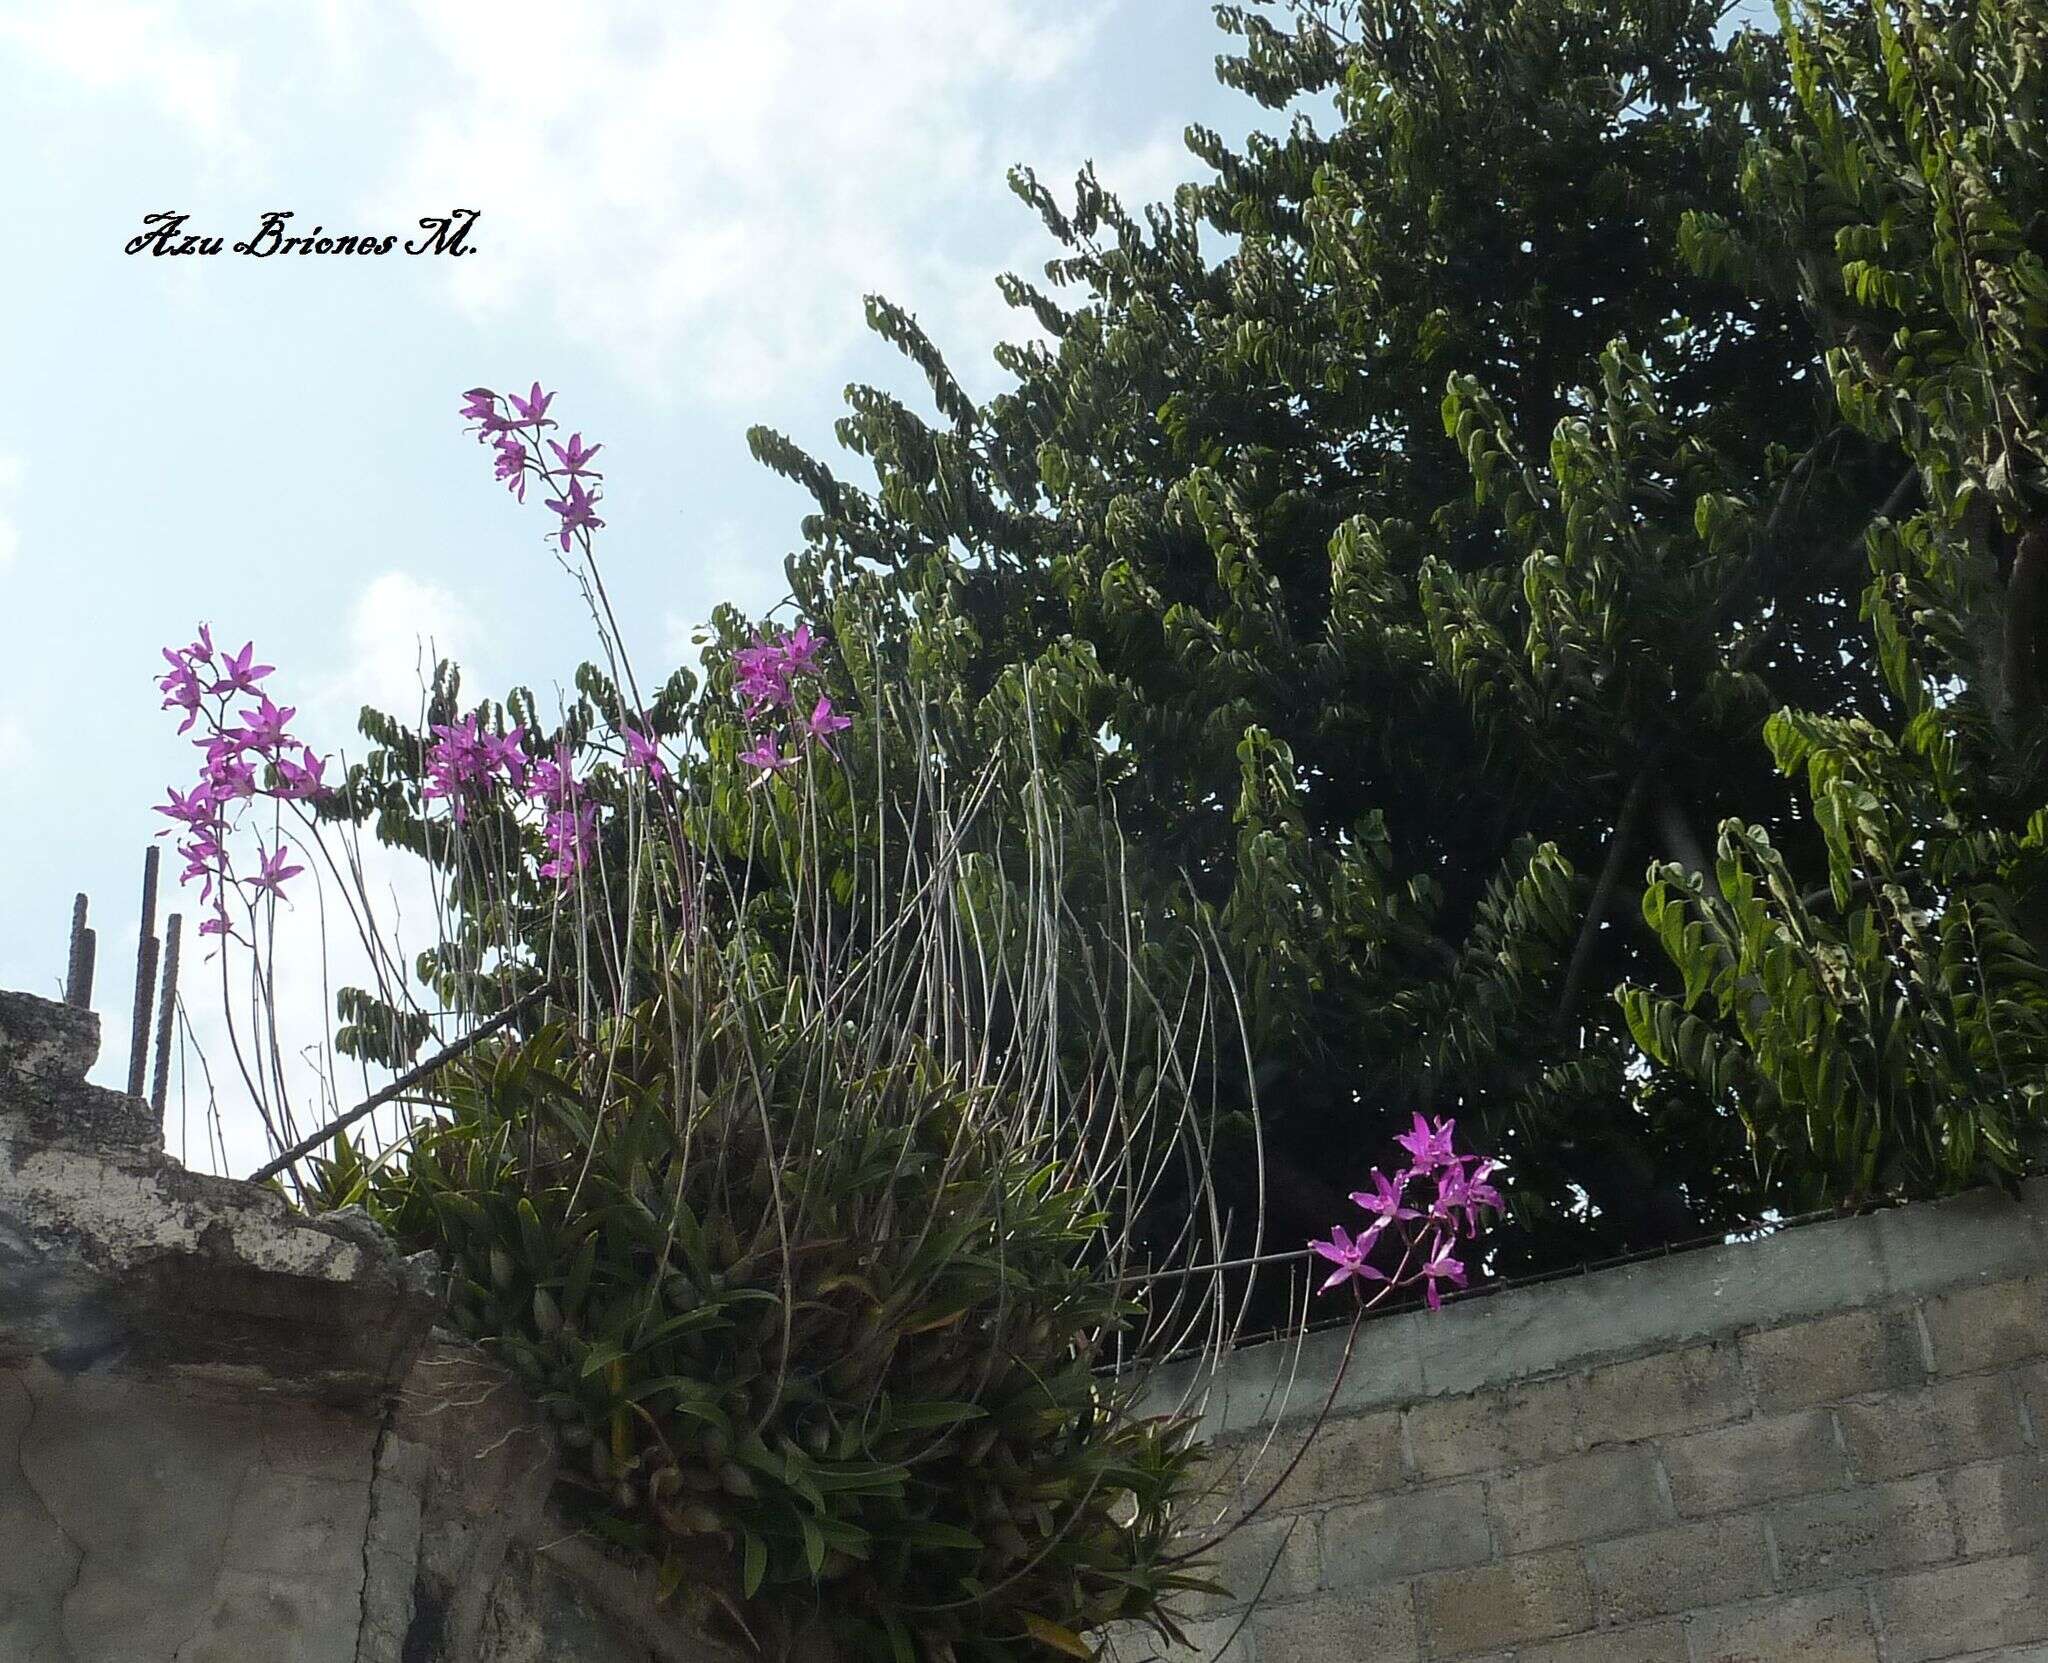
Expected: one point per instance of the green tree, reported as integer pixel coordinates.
(1882, 1024)
(1470, 553)
(1418, 568)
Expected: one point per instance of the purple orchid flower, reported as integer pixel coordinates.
(228, 777)
(549, 780)
(511, 465)
(824, 721)
(239, 674)
(1387, 1196)
(533, 407)
(1349, 1256)
(578, 511)
(800, 651)
(507, 756)
(570, 835)
(1440, 1267)
(302, 778)
(1428, 1148)
(766, 756)
(204, 860)
(270, 879)
(575, 459)
(198, 807)
(1462, 1193)
(263, 729)
(641, 754)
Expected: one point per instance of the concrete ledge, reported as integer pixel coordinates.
(1497, 1339)
(110, 1250)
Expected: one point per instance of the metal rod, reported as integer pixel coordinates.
(398, 1088)
(166, 1013)
(78, 963)
(145, 977)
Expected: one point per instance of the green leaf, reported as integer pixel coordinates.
(754, 1565)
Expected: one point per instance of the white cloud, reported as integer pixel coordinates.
(317, 948)
(725, 566)
(114, 46)
(718, 184)
(399, 626)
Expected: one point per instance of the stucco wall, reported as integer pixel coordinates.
(1829, 1445)
(229, 1433)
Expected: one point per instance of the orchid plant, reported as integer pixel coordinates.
(600, 1309)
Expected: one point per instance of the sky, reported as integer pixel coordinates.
(681, 207)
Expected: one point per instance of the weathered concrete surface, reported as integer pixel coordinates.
(1830, 1445)
(227, 1436)
(110, 1250)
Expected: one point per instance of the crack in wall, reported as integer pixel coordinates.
(380, 1479)
(35, 1408)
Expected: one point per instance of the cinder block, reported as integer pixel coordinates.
(1286, 1547)
(1449, 1437)
(1352, 1455)
(2001, 1506)
(1851, 1533)
(1658, 1642)
(2033, 1390)
(1379, 1625)
(1754, 1461)
(1833, 1358)
(1218, 1640)
(1608, 1492)
(1218, 1487)
(1989, 1327)
(1638, 1577)
(1672, 1392)
(1534, 1596)
(1951, 1422)
(1954, 1610)
(1265, 1384)
(1833, 1627)
(1928, 1249)
(1373, 1541)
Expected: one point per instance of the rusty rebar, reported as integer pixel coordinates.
(166, 1013)
(78, 963)
(145, 978)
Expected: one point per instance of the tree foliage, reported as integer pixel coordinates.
(1884, 1030)
(1421, 518)
(1545, 560)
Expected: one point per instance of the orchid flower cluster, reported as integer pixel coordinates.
(466, 763)
(516, 438)
(766, 679)
(1427, 1227)
(247, 754)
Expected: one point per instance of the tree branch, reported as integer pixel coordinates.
(1618, 842)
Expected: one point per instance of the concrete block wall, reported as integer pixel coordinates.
(1830, 1445)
